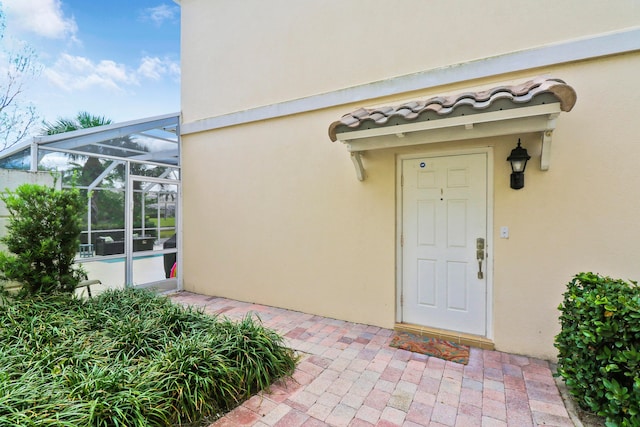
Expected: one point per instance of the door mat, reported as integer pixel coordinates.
(442, 349)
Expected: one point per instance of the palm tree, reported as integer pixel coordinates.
(83, 120)
(93, 166)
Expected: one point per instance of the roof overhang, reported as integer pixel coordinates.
(531, 107)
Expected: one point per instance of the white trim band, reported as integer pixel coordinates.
(620, 42)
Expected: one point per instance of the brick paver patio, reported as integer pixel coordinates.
(349, 376)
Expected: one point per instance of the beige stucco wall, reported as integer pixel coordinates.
(238, 55)
(281, 219)
(581, 215)
(273, 212)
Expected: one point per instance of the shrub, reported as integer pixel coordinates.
(42, 236)
(599, 346)
(128, 358)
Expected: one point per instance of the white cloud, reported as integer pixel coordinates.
(151, 68)
(160, 14)
(42, 17)
(115, 72)
(155, 68)
(79, 73)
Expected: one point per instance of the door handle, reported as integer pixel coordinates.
(480, 256)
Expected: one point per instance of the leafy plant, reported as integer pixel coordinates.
(255, 352)
(599, 346)
(42, 237)
(128, 358)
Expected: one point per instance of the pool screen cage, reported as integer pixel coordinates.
(129, 176)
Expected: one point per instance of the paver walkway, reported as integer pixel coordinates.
(349, 376)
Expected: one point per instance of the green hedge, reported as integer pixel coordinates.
(599, 346)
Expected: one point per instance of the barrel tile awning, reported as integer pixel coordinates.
(445, 106)
(532, 106)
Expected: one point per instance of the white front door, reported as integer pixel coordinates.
(444, 224)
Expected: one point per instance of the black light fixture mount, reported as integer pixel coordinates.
(518, 159)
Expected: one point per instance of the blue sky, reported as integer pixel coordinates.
(114, 58)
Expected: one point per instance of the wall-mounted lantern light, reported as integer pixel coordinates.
(518, 160)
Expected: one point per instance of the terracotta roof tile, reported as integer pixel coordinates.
(443, 106)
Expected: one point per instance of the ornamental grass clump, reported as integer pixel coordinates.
(130, 358)
(599, 347)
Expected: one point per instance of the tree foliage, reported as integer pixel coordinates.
(92, 167)
(106, 207)
(42, 239)
(83, 120)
